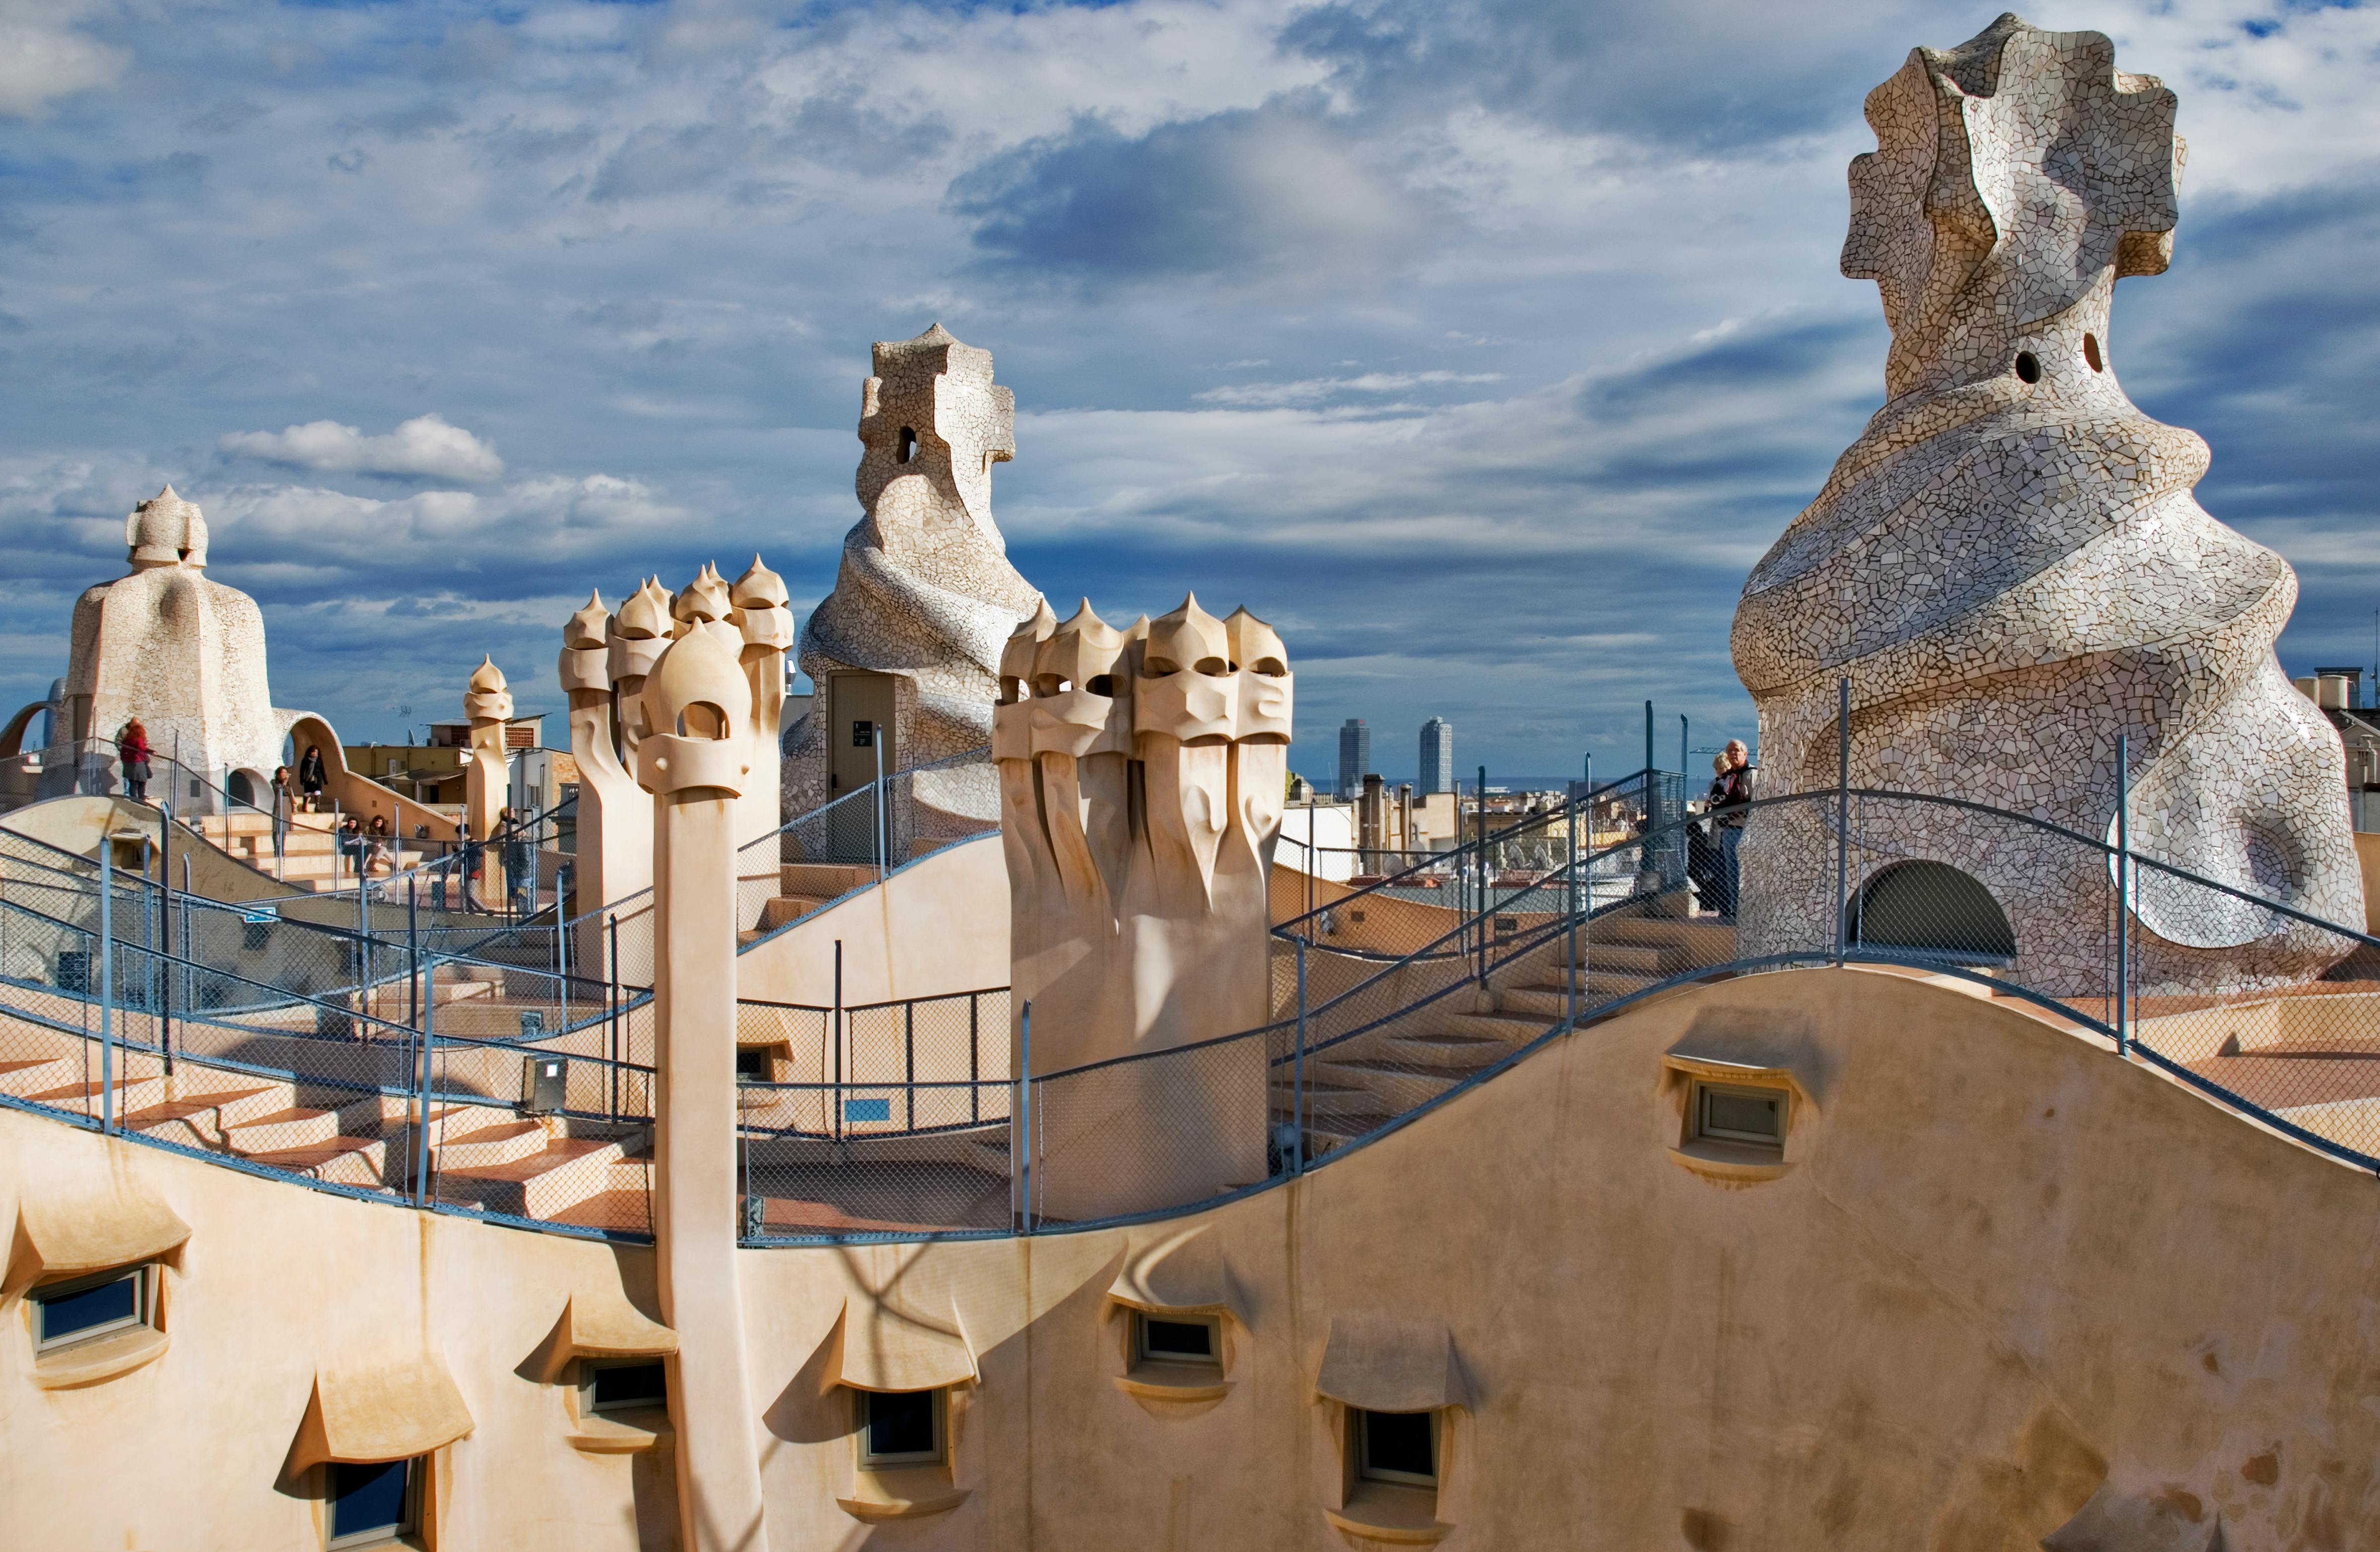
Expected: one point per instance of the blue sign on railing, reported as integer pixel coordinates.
(866, 1110)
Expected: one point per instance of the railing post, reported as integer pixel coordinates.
(882, 838)
(1570, 977)
(161, 973)
(1842, 814)
(834, 1095)
(611, 925)
(909, 1059)
(413, 991)
(1483, 876)
(1586, 939)
(1313, 851)
(107, 981)
(974, 1056)
(1024, 1170)
(429, 1043)
(1298, 1075)
(189, 986)
(2123, 894)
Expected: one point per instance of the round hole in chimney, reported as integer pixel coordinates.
(2028, 366)
(2091, 353)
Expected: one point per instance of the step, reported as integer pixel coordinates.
(785, 908)
(292, 1126)
(1326, 1098)
(823, 880)
(339, 1159)
(1342, 1129)
(501, 1144)
(40, 1071)
(1705, 942)
(1507, 1025)
(1459, 1053)
(1600, 985)
(1643, 959)
(1403, 1088)
(202, 1118)
(569, 1170)
(131, 1094)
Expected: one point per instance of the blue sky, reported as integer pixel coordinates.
(1482, 347)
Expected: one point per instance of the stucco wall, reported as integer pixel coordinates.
(2005, 1271)
(938, 925)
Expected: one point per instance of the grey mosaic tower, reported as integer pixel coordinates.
(1354, 756)
(1436, 757)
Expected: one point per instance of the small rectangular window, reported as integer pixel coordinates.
(1740, 1115)
(1184, 1339)
(618, 1387)
(900, 1427)
(752, 1064)
(66, 1313)
(372, 1502)
(1398, 1446)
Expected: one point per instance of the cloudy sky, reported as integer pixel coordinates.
(1481, 347)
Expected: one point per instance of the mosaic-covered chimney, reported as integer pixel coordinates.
(2010, 567)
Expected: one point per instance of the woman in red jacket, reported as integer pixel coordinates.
(132, 753)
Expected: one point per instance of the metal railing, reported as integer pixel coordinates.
(464, 1084)
(813, 860)
(1361, 1043)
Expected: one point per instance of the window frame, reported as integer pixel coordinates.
(409, 1518)
(1700, 1130)
(1142, 1353)
(1366, 1472)
(863, 1402)
(143, 1275)
(589, 1367)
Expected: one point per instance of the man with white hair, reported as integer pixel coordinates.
(1732, 795)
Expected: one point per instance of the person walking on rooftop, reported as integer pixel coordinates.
(284, 803)
(1732, 793)
(312, 777)
(132, 753)
(519, 886)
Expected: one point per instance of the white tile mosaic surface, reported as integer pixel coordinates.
(2010, 564)
(925, 590)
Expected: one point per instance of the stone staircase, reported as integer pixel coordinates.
(484, 1155)
(308, 861)
(802, 888)
(1356, 1088)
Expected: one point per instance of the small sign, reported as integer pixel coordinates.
(1506, 926)
(258, 913)
(863, 735)
(866, 1110)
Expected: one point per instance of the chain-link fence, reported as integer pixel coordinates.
(882, 1117)
(366, 1062)
(2115, 947)
(805, 865)
(446, 1084)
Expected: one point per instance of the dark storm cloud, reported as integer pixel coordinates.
(1699, 75)
(1222, 194)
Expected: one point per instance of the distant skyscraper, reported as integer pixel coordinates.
(1354, 756)
(1436, 757)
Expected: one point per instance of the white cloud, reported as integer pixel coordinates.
(427, 444)
(1314, 390)
(42, 58)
